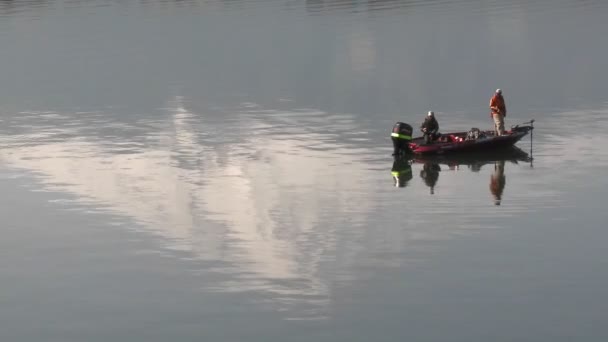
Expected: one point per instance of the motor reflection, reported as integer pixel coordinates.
(402, 172)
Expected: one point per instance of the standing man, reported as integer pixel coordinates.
(498, 111)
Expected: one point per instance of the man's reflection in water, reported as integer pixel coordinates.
(475, 166)
(498, 181)
(402, 172)
(430, 174)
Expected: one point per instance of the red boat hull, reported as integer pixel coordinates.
(456, 142)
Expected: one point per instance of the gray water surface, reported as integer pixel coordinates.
(222, 171)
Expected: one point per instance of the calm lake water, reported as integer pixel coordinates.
(222, 171)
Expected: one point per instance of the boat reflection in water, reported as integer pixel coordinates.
(432, 166)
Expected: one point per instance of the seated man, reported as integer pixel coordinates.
(430, 128)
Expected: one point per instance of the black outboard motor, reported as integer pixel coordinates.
(401, 136)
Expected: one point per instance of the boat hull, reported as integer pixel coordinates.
(456, 142)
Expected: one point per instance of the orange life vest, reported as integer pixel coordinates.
(498, 101)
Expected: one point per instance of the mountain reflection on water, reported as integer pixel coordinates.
(254, 202)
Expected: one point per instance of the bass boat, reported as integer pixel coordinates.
(473, 140)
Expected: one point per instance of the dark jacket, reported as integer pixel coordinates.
(431, 124)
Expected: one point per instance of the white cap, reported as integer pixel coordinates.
(498, 91)
(431, 113)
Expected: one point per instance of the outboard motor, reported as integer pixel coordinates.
(401, 136)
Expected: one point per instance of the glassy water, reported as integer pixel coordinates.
(221, 171)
